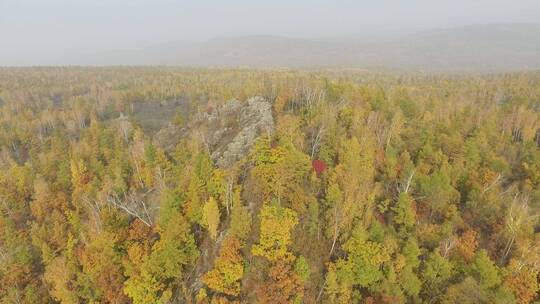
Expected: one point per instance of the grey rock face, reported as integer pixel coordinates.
(228, 131)
(243, 126)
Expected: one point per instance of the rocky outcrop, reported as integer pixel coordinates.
(229, 131)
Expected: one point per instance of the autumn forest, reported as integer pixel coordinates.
(205, 186)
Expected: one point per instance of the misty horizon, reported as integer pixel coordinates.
(44, 32)
(108, 56)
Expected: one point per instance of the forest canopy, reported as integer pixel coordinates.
(358, 187)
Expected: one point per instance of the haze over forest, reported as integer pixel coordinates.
(468, 48)
(484, 35)
(269, 152)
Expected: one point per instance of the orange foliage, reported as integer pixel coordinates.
(282, 285)
(228, 269)
(467, 245)
(523, 283)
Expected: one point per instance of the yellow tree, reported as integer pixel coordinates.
(211, 217)
(276, 226)
(228, 269)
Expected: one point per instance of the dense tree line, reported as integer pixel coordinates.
(375, 188)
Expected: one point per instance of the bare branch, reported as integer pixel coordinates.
(317, 141)
(133, 206)
(409, 180)
(492, 184)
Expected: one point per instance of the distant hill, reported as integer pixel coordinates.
(484, 47)
(476, 47)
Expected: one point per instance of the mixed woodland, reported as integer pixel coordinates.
(375, 187)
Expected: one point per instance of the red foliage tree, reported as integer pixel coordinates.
(319, 166)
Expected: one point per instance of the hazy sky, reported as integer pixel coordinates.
(31, 31)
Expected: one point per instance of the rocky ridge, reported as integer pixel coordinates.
(228, 131)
